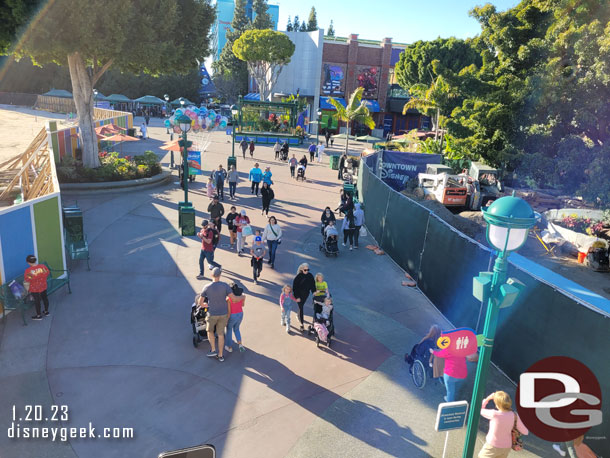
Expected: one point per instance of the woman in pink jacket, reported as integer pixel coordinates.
(455, 371)
(499, 439)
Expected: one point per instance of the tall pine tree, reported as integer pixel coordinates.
(289, 25)
(331, 30)
(312, 22)
(234, 72)
(303, 27)
(262, 20)
(296, 24)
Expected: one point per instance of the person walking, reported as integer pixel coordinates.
(312, 151)
(303, 162)
(35, 283)
(327, 136)
(232, 226)
(216, 294)
(267, 176)
(293, 165)
(320, 152)
(244, 147)
(342, 161)
(207, 236)
(455, 371)
(358, 222)
(287, 300)
(285, 149)
(348, 227)
(302, 285)
(502, 420)
(232, 178)
(240, 223)
(277, 148)
(216, 210)
(267, 195)
(220, 176)
(236, 310)
(144, 131)
(257, 251)
(252, 149)
(256, 175)
(272, 234)
(210, 190)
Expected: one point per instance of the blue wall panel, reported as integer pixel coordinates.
(17, 243)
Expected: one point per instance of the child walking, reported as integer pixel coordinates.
(287, 300)
(237, 315)
(210, 189)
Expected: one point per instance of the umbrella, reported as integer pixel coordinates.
(173, 147)
(120, 138)
(351, 137)
(369, 138)
(108, 129)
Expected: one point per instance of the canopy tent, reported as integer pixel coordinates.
(59, 93)
(351, 137)
(119, 98)
(100, 96)
(176, 103)
(252, 96)
(326, 105)
(150, 100)
(369, 139)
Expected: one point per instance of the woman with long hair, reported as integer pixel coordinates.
(302, 285)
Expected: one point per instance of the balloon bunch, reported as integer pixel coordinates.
(201, 119)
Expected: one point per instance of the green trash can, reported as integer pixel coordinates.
(334, 162)
(131, 132)
(186, 219)
(231, 160)
(73, 225)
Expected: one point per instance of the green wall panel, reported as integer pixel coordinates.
(48, 233)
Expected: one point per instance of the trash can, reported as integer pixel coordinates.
(231, 160)
(186, 218)
(334, 162)
(73, 224)
(131, 132)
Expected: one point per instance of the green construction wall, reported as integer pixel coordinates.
(48, 233)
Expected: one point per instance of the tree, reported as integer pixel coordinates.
(14, 14)
(303, 27)
(296, 25)
(331, 30)
(355, 110)
(289, 27)
(262, 20)
(233, 71)
(93, 37)
(312, 22)
(266, 52)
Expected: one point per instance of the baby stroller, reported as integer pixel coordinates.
(323, 327)
(198, 315)
(284, 154)
(329, 246)
(301, 172)
(419, 363)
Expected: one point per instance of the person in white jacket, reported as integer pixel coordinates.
(358, 222)
(273, 235)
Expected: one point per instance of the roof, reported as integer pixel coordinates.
(100, 96)
(252, 96)
(59, 93)
(176, 102)
(326, 105)
(118, 98)
(150, 100)
(364, 41)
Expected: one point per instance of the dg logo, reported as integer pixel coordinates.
(559, 399)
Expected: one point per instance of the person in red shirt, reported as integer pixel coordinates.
(206, 235)
(35, 281)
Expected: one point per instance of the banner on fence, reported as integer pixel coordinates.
(398, 168)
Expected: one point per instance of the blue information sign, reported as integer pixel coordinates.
(451, 415)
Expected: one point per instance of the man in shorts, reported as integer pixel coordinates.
(216, 294)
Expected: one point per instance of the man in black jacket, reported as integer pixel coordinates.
(216, 211)
(342, 165)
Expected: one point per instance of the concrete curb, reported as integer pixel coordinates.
(114, 186)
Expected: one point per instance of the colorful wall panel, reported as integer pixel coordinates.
(48, 232)
(17, 241)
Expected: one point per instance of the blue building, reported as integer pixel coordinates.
(224, 17)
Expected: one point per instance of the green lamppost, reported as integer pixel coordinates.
(185, 209)
(508, 222)
(234, 114)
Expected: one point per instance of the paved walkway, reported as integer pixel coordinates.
(118, 350)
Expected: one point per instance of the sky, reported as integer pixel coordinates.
(405, 21)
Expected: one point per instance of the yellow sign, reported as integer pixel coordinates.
(443, 342)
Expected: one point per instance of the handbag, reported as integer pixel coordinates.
(246, 231)
(362, 231)
(279, 242)
(517, 444)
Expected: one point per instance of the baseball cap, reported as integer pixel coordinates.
(243, 213)
(216, 272)
(204, 223)
(258, 238)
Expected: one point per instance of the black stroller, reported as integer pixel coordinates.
(284, 152)
(323, 326)
(419, 362)
(300, 172)
(198, 315)
(329, 246)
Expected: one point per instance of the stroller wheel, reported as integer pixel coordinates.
(195, 341)
(419, 374)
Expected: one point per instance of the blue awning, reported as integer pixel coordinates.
(373, 106)
(252, 96)
(325, 105)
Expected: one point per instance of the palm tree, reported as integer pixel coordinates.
(424, 98)
(355, 110)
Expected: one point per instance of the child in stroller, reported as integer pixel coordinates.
(300, 172)
(420, 360)
(330, 239)
(323, 323)
(199, 311)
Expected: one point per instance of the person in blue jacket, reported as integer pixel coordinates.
(267, 176)
(256, 176)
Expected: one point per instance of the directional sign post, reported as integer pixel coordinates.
(450, 415)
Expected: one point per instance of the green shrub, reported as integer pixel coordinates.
(112, 168)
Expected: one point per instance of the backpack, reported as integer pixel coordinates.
(215, 237)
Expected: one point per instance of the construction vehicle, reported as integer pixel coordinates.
(484, 185)
(447, 188)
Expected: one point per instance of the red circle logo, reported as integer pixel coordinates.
(559, 399)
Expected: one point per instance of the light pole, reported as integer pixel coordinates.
(166, 97)
(508, 222)
(319, 113)
(234, 113)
